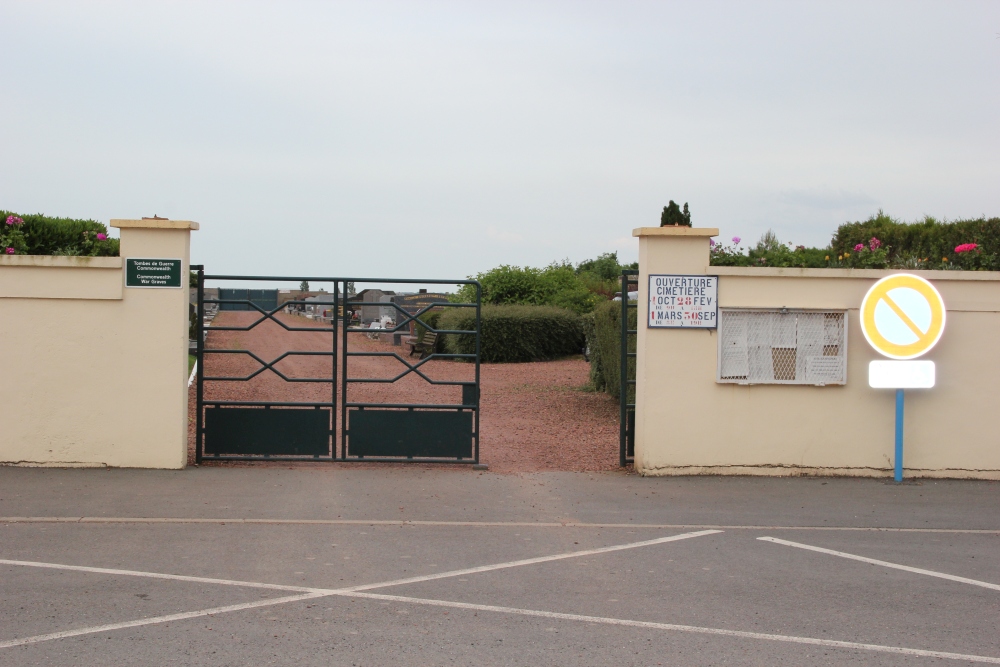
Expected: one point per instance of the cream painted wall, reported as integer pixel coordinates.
(94, 372)
(687, 423)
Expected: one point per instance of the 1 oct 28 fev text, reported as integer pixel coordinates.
(677, 301)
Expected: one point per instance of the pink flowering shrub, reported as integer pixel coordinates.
(44, 235)
(12, 236)
(873, 255)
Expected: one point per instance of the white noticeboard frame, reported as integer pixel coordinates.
(683, 302)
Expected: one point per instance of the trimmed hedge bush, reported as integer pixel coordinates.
(880, 242)
(605, 348)
(515, 333)
(42, 235)
(928, 243)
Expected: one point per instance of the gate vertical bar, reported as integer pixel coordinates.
(200, 363)
(623, 377)
(343, 384)
(479, 334)
(334, 322)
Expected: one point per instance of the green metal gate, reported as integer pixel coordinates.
(266, 428)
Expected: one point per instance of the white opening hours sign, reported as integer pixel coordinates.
(681, 302)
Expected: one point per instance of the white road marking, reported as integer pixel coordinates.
(362, 587)
(309, 592)
(530, 561)
(872, 561)
(356, 592)
(878, 648)
(157, 619)
(159, 575)
(479, 524)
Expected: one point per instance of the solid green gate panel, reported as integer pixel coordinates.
(266, 299)
(267, 431)
(431, 433)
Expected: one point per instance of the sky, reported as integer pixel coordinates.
(441, 139)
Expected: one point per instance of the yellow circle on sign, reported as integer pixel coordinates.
(902, 316)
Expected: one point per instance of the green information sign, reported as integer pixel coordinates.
(152, 272)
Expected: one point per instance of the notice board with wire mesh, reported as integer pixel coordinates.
(782, 346)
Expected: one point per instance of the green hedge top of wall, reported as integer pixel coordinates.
(926, 242)
(515, 333)
(43, 235)
(880, 242)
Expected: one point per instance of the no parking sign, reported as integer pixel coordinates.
(902, 317)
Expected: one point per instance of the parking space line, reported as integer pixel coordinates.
(157, 619)
(879, 648)
(160, 575)
(873, 561)
(308, 592)
(361, 587)
(359, 592)
(530, 561)
(478, 524)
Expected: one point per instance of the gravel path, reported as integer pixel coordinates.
(534, 417)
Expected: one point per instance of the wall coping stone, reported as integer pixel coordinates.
(867, 274)
(62, 261)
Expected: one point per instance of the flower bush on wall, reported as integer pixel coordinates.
(968, 245)
(42, 235)
(12, 236)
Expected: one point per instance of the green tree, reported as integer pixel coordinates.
(605, 267)
(555, 285)
(673, 215)
(304, 286)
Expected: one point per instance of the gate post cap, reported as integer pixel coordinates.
(675, 231)
(152, 223)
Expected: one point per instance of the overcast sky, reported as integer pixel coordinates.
(441, 139)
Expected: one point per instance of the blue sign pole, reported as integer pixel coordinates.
(899, 435)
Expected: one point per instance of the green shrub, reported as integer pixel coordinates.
(605, 348)
(926, 244)
(192, 322)
(43, 235)
(673, 215)
(512, 333)
(555, 285)
(589, 338)
(880, 242)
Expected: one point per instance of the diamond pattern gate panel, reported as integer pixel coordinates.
(284, 375)
(266, 374)
(411, 382)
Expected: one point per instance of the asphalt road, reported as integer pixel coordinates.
(416, 566)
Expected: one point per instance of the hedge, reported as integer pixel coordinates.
(43, 235)
(880, 242)
(515, 333)
(926, 243)
(605, 348)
